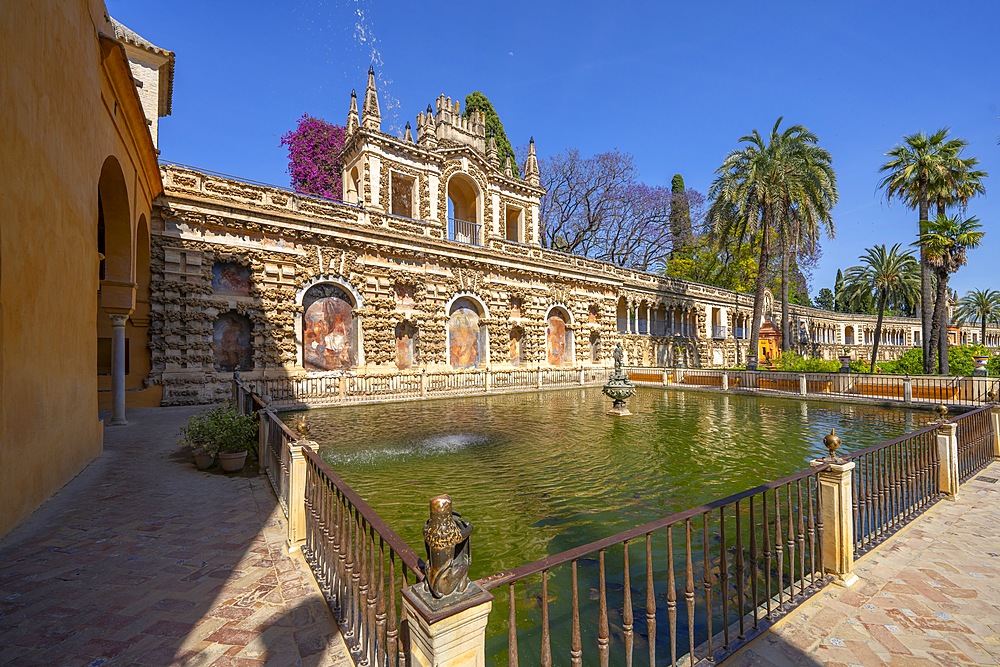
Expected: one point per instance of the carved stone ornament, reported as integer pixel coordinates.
(449, 554)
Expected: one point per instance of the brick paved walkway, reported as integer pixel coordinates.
(144, 560)
(930, 596)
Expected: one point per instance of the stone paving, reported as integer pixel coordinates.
(144, 560)
(930, 595)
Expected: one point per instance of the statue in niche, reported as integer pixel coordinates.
(449, 554)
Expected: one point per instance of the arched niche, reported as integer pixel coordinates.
(464, 206)
(232, 342)
(559, 337)
(516, 346)
(621, 314)
(468, 337)
(331, 334)
(595, 348)
(407, 345)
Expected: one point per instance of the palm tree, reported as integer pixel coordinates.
(945, 243)
(780, 185)
(885, 278)
(911, 170)
(982, 306)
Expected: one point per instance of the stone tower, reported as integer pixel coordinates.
(448, 180)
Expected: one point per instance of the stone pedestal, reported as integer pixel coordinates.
(454, 636)
(838, 521)
(297, 494)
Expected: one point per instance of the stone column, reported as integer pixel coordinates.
(947, 444)
(838, 521)
(297, 494)
(451, 637)
(118, 321)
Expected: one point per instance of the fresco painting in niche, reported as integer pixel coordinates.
(463, 335)
(404, 296)
(328, 330)
(516, 335)
(556, 337)
(406, 346)
(231, 279)
(515, 307)
(232, 342)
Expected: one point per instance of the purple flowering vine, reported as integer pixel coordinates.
(314, 148)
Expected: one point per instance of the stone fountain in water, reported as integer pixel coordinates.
(619, 387)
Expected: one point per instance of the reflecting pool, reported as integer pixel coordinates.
(538, 473)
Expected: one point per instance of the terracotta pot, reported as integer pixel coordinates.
(231, 462)
(203, 460)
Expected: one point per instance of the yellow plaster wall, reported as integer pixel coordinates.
(61, 117)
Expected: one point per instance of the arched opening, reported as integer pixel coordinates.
(514, 223)
(468, 339)
(463, 210)
(621, 315)
(330, 332)
(114, 226)
(516, 340)
(352, 187)
(848, 335)
(642, 321)
(595, 348)
(559, 338)
(232, 342)
(718, 328)
(407, 338)
(661, 320)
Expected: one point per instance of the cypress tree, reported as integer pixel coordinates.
(680, 217)
(476, 101)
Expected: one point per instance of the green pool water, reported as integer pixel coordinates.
(538, 473)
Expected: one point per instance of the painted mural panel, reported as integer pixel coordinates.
(516, 336)
(231, 279)
(463, 335)
(232, 342)
(557, 338)
(328, 336)
(406, 345)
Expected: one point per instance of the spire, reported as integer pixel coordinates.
(491, 151)
(508, 171)
(407, 135)
(427, 137)
(352, 114)
(531, 174)
(371, 117)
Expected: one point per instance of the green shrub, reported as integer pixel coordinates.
(910, 363)
(220, 430)
(960, 359)
(792, 362)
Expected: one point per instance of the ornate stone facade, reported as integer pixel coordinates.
(419, 269)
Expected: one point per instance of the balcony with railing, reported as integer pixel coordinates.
(465, 231)
(718, 333)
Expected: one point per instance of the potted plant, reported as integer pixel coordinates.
(223, 432)
(845, 361)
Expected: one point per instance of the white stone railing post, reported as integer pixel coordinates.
(297, 494)
(488, 381)
(583, 376)
(803, 385)
(423, 383)
(263, 428)
(725, 381)
(995, 416)
(838, 521)
(947, 445)
(666, 376)
(539, 377)
(907, 390)
(342, 387)
(447, 638)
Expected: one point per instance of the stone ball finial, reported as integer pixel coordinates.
(942, 411)
(832, 443)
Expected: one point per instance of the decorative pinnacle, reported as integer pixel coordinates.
(832, 443)
(302, 426)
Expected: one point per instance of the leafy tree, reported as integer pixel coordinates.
(781, 184)
(912, 169)
(314, 148)
(884, 277)
(680, 217)
(945, 243)
(825, 299)
(982, 306)
(476, 101)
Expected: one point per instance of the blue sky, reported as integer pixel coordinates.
(675, 84)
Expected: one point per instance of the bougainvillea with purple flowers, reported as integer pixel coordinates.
(314, 148)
